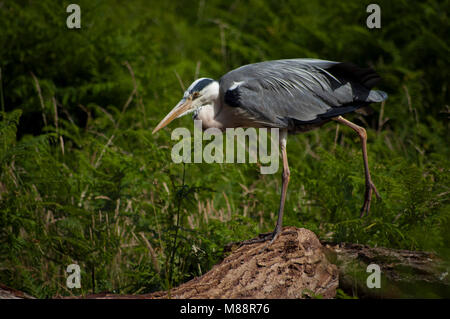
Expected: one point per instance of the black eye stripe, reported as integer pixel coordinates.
(200, 85)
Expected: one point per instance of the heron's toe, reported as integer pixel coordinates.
(263, 238)
(372, 186)
(260, 239)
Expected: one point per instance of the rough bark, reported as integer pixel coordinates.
(10, 293)
(294, 266)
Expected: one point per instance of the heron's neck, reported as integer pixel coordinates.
(209, 114)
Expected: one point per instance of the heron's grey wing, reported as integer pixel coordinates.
(287, 93)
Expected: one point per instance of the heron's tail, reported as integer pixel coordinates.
(367, 77)
(376, 96)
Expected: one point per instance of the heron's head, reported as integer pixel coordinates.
(201, 92)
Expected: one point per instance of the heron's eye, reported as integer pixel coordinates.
(195, 95)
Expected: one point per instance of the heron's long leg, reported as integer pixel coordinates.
(369, 184)
(285, 181)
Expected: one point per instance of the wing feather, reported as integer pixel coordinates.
(287, 93)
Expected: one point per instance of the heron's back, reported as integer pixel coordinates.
(299, 94)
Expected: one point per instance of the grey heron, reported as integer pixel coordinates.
(294, 95)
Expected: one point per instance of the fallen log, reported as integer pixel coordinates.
(11, 293)
(404, 273)
(294, 266)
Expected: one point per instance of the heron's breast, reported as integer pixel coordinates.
(224, 117)
(208, 117)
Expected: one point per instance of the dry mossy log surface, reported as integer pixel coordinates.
(294, 266)
(298, 265)
(10, 293)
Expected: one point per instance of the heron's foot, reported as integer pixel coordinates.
(260, 239)
(370, 188)
(263, 238)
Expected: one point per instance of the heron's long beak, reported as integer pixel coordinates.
(183, 107)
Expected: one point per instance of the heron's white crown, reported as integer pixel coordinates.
(210, 92)
(197, 86)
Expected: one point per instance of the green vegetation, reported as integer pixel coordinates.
(83, 180)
